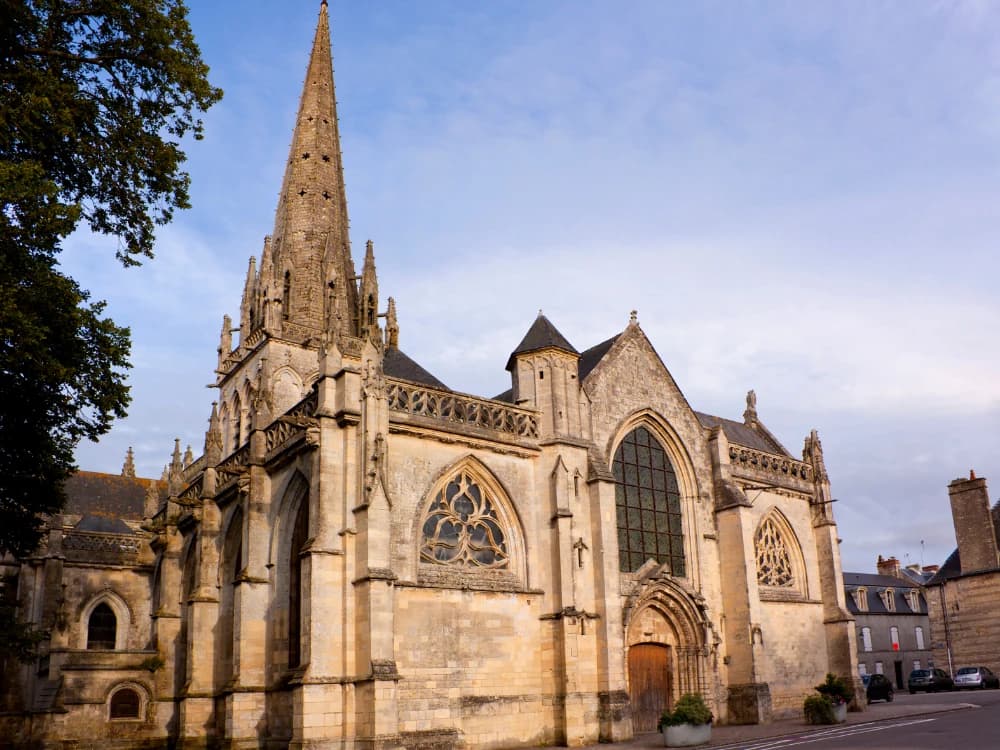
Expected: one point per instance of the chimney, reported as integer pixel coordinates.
(888, 567)
(974, 530)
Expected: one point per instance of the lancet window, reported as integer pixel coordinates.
(774, 563)
(648, 504)
(463, 527)
(102, 628)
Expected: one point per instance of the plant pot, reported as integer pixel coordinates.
(686, 735)
(840, 712)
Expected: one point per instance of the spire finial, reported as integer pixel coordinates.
(633, 317)
(128, 468)
(391, 326)
(750, 415)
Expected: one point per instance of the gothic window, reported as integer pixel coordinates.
(231, 563)
(774, 564)
(125, 704)
(102, 627)
(237, 423)
(462, 527)
(299, 534)
(648, 504)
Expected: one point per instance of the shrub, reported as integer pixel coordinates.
(690, 709)
(818, 710)
(835, 689)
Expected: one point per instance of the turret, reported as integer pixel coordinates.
(368, 297)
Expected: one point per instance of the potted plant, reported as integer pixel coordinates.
(830, 706)
(690, 723)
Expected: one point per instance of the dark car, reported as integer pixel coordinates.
(878, 688)
(929, 680)
(976, 677)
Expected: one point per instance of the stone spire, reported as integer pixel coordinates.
(310, 245)
(247, 304)
(128, 468)
(225, 341)
(368, 302)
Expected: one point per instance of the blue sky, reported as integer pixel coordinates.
(799, 198)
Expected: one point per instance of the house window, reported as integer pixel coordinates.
(914, 597)
(916, 663)
(866, 639)
(889, 599)
(894, 637)
(861, 599)
(647, 504)
(878, 668)
(102, 627)
(462, 527)
(919, 633)
(862, 668)
(125, 704)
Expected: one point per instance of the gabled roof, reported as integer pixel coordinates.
(741, 434)
(541, 335)
(593, 355)
(952, 568)
(396, 364)
(110, 495)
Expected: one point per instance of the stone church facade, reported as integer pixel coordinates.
(364, 558)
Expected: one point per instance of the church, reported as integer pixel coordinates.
(362, 557)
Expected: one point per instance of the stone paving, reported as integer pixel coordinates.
(735, 737)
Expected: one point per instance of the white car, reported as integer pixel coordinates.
(976, 677)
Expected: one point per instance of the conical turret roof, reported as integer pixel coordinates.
(541, 335)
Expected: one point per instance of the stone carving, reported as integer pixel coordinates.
(749, 458)
(451, 407)
(234, 465)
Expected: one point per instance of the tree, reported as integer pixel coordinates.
(95, 99)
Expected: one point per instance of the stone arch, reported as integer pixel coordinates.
(286, 389)
(289, 538)
(133, 691)
(505, 516)
(123, 617)
(687, 483)
(667, 616)
(781, 570)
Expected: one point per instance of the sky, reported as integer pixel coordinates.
(799, 198)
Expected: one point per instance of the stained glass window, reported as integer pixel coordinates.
(648, 504)
(462, 527)
(774, 565)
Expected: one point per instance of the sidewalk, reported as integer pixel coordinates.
(734, 736)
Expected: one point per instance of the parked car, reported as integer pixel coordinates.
(976, 677)
(878, 688)
(929, 680)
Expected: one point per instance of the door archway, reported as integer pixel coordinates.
(649, 678)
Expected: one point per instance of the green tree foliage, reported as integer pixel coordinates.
(95, 99)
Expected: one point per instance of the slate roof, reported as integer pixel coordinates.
(952, 567)
(739, 433)
(397, 365)
(110, 495)
(541, 335)
(593, 355)
(103, 524)
(876, 585)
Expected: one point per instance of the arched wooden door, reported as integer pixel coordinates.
(649, 684)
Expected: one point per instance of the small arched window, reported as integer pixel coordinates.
(102, 627)
(648, 504)
(125, 704)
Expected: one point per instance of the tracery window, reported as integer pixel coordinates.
(648, 504)
(102, 627)
(774, 564)
(462, 527)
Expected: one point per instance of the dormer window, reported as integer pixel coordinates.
(889, 599)
(914, 598)
(861, 598)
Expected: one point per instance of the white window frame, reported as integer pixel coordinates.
(866, 639)
(918, 633)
